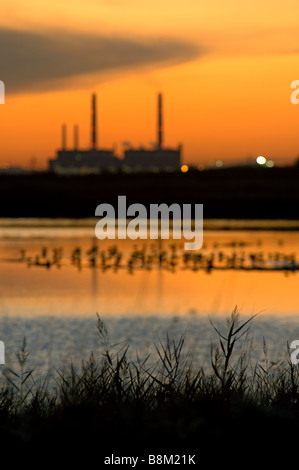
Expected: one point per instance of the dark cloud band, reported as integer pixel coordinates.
(34, 61)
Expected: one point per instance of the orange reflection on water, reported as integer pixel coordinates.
(84, 288)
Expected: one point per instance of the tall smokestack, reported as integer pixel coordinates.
(63, 137)
(94, 122)
(76, 137)
(160, 121)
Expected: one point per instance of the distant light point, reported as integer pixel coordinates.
(270, 164)
(261, 160)
(184, 168)
(219, 163)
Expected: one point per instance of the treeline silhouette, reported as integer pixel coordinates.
(257, 193)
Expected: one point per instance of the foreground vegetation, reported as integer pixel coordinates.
(135, 408)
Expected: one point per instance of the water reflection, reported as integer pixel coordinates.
(169, 257)
(65, 271)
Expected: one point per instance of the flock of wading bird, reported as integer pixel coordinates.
(228, 256)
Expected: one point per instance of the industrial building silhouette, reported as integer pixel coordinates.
(96, 160)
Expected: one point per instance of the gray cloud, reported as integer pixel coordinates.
(36, 61)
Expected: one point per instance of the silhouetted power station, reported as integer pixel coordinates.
(96, 160)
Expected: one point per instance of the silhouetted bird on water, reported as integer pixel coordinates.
(76, 257)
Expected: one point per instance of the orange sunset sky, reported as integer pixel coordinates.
(225, 70)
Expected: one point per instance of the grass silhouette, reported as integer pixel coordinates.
(126, 407)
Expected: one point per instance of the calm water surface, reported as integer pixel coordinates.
(55, 276)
